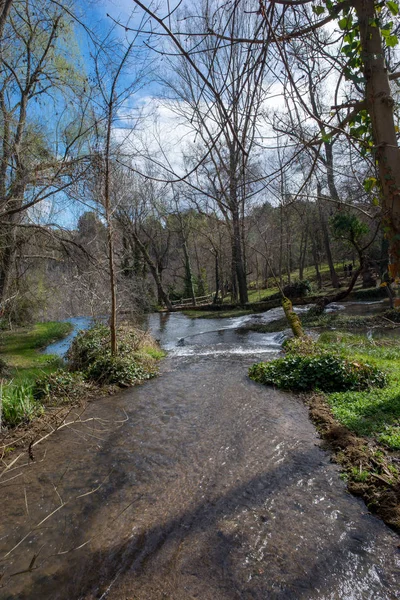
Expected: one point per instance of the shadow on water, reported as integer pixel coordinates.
(311, 576)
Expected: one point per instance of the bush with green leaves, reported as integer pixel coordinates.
(297, 289)
(59, 387)
(324, 372)
(117, 370)
(375, 293)
(90, 352)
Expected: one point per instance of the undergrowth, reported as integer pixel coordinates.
(33, 381)
(360, 378)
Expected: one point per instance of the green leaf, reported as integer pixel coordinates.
(369, 183)
(375, 201)
(392, 41)
(345, 23)
(393, 7)
(318, 10)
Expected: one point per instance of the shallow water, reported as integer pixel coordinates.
(60, 347)
(197, 484)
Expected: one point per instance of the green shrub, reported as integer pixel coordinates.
(325, 372)
(90, 353)
(375, 293)
(297, 289)
(59, 386)
(117, 370)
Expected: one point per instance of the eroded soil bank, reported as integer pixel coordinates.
(198, 484)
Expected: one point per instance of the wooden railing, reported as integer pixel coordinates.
(200, 301)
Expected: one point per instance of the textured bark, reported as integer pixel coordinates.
(189, 284)
(327, 244)
(380, 105)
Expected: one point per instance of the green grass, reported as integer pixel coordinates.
(20, 349)
(156, 353)
(374, 412)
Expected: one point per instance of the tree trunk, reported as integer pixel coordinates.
(110, 237)
(189, 285)
(7, 263)
(216, 279)
(303, 252)
(315, 257)
(238, 260)
(325, 237)
(380, 106)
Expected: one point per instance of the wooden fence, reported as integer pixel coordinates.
(188, 302)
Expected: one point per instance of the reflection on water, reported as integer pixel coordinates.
(198, 484)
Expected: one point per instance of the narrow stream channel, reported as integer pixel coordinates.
(198, 484)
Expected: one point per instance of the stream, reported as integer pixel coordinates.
(199, 484)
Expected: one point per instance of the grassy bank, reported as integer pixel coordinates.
(24, 363)
(361, 423)
(20, 349)
(371, 412)
(33, 383)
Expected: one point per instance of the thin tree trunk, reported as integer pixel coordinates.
(327, 244)
(315, 257)
(110, 240)
(189, 285)
(216, 279)
(238, 260)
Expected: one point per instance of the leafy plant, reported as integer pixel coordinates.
(326, 372)
(118, 370)
(135, 359)
(18, 404)
(297, 289)
(59, 386)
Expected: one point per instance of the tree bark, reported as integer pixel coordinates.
(327, 244)
(380, 105)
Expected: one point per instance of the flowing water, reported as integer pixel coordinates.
(198, 484)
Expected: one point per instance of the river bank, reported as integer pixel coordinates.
(39, 388)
